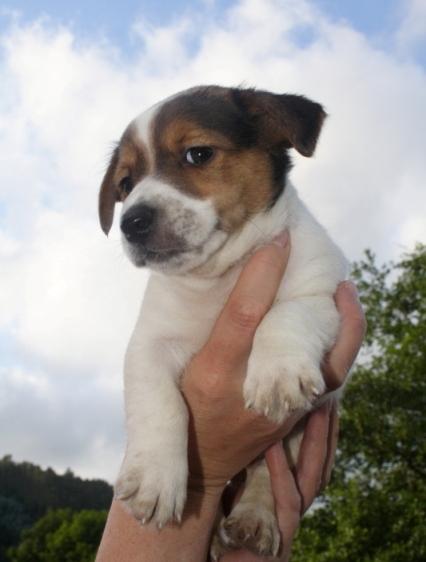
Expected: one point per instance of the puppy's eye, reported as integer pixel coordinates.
(198, 155)
(126, 185)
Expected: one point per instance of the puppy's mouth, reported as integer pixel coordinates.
(159, 255)
(174, 257)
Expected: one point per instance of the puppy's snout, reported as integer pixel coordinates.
(138, 223)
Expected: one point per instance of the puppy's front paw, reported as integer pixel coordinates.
(153, 487)
(276, 385)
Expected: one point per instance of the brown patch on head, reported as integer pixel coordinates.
(208, 117)
(249, 132)
(127, 166)
(239, 183)
(283, 119)
(238, 180)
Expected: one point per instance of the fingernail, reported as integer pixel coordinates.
(282, 239)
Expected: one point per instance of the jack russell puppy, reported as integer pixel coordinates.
(203, 178)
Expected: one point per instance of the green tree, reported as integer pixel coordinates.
(39, 490)
(374, 511)
(27, 492)
(13, 519)
(61, 535)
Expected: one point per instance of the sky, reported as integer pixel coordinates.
(73, 75)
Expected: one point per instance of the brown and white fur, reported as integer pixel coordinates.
(203, 181)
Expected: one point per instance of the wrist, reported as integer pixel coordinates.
(126, 540)
(202, 497)
(208, 491)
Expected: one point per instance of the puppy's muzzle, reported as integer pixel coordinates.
(138, 223)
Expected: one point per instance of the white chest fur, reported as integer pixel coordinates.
(176, 318)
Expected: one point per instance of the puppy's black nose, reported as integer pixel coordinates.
(137, 223)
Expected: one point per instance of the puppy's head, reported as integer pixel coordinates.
(192, 170)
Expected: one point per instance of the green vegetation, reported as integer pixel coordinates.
(374, 510)
(61, 535)
(39, 490)
(27, 493)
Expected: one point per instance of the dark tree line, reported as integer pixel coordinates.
(28, 492)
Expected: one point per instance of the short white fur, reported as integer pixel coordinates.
(177, 314)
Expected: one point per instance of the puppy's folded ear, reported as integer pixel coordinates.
(108, 195)
(290, 120)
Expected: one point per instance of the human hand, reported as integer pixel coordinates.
(295, 490)
(216, 402)
(213, 381)
(212, 384)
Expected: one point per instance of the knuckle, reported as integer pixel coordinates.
(246, 313)
(211, 385)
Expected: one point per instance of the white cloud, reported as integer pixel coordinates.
(67, 295)
(75, 422)
(77, 296)
(412, 31)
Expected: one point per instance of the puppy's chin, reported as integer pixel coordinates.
(176, 261)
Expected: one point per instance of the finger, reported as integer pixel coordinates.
(349, 340)
(312, 455)
(286, 495)
(276, 460)
(249, 301)
(333, 434)
(282, 478)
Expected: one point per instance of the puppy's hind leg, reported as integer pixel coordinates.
(252, 523)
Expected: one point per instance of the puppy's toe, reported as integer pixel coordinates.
(277, 385)
(255, 529)
(217, 548)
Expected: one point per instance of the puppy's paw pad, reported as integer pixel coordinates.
(253, 528)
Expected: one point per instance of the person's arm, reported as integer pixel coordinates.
(125, 540)
(224, 437)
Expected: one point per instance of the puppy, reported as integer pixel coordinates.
(203, 178)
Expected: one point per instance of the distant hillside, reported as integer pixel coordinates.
(27, 492)
(38, 489)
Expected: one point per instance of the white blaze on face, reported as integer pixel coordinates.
(190, 219)
(188, 222)
(143, 127)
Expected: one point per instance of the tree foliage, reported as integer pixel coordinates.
(61, 535)
(39, 490)
(27, 492)
(13, 519)
(374, 511)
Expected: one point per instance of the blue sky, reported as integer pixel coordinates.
(114, 18)
(67, 92)
(378, 19)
